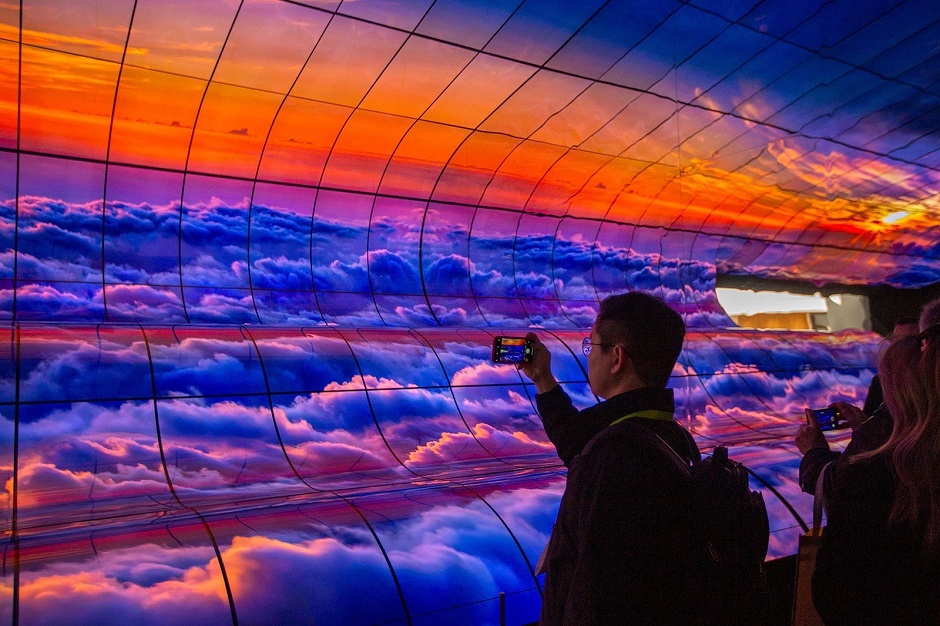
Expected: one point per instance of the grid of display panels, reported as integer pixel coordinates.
(283, 469)
(253, 253)
(295, 162)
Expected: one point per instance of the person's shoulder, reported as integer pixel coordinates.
(819, 456)
(630, 443)
(870, 477)
(873, 432)
(682, 434)
(880, 419)
(617, 437)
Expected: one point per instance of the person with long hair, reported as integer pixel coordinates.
(879, 560)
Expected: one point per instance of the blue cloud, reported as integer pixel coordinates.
(392, 273)
(448, 275)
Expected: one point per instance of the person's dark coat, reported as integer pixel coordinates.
(622, 550)
(868, 571)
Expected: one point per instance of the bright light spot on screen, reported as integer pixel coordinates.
(895, 217)
(747, 302)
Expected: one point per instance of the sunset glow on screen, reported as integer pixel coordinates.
(254, 253)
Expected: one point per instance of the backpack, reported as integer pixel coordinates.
(735, 533)
(733, 520)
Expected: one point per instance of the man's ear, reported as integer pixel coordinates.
(623, 364)
(624, 370)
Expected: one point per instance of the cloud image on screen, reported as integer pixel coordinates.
(253, 256)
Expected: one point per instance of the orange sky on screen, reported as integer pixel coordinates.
(67, 100)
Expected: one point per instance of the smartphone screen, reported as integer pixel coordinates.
(511, 350)
(829, 419)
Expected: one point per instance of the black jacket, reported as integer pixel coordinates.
(867, 571)
(875, 397)
(622, 550)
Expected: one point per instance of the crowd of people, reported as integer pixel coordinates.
(622, 548)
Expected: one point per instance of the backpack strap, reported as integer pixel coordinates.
(819, 500)
(653, 414)
(665, 416)
(650, 440)
(694, 452)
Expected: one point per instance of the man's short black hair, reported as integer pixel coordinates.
(648, 328)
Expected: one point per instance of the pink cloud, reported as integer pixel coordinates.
(485, 373)
(455, 445)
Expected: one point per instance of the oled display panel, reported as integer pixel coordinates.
(254, 254)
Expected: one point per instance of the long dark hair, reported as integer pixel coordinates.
(910, 377)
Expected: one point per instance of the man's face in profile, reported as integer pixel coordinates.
(600, 361)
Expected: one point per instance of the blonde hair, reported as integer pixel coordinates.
(910, 378)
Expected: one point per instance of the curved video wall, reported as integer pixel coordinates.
(240, 472)
(253, 254)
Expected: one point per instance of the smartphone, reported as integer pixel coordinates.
(829, 419)
(511, 350)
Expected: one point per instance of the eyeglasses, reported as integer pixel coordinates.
(586, 345)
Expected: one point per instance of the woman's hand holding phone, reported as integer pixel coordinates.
(809, 435)
(850, 413)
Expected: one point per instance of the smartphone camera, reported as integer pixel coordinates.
(511, 350)
(829, 419)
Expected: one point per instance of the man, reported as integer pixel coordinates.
(622, 550)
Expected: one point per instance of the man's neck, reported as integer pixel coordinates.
(625, 385)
